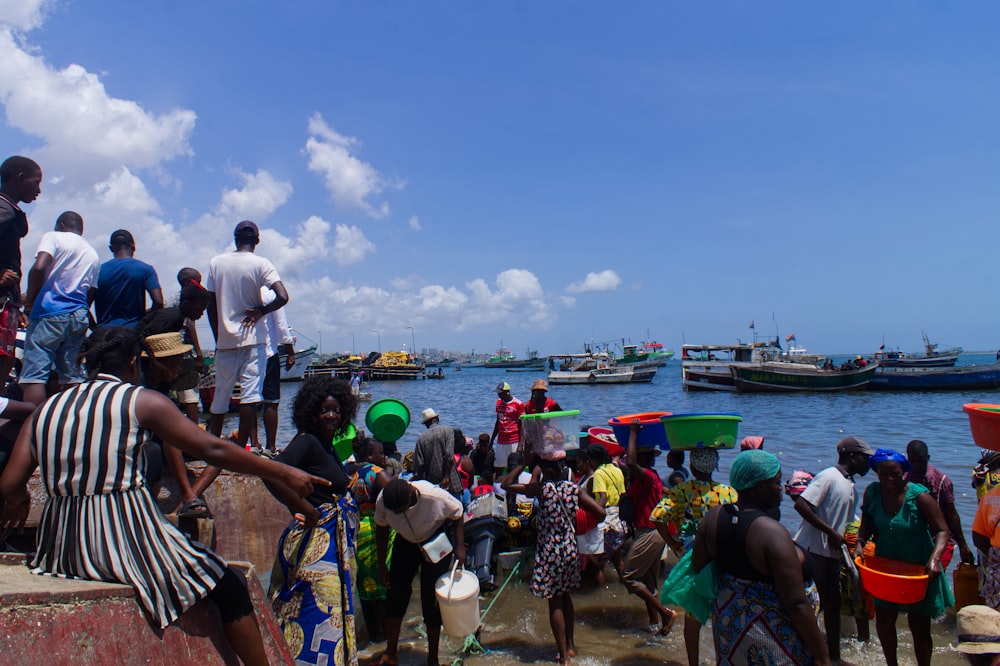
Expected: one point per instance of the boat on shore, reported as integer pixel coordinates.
(932, 357)
(794, 377)
(966, 378)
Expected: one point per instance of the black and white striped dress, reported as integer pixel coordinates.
(100, 521)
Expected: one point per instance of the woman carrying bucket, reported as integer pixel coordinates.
(907, 525)
(556, 571)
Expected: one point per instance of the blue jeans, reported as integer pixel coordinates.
(54, 342)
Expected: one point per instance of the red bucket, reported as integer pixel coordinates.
(984, 421)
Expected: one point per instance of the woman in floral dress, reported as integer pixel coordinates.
(556, 571)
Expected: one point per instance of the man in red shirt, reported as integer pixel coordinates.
(507, 429)
(642, 563)
(539, 402)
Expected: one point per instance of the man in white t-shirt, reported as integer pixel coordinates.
(236, 314)
(827, 505)
(57, 306)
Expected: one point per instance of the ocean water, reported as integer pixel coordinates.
(801, 429)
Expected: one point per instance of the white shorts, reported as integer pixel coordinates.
(501, 452)
(244, 366)
(187, 396)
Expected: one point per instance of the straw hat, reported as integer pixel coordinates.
(167, 344)
(978, 629)
(540, 385)
(428, 414)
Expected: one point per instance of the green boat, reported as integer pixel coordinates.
(779, 377)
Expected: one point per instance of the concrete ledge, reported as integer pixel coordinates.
(61, 621)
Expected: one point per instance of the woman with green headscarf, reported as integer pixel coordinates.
(761, 613)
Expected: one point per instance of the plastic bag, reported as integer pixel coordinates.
(694, 592)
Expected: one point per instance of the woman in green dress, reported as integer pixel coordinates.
(906, 524)
(367, 478)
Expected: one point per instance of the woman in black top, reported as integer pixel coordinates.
(312, 587)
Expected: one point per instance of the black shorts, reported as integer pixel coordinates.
(271, 389)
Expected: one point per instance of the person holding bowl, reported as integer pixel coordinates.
(906, 524)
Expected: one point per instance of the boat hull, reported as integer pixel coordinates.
(590, 377)
(774, 378)
(968, 378)
(297, 373)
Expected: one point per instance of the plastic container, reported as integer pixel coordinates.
(457, 593)
(552, 431)
(984, 421)
(966, 586)
(892, 580)
(701, 430)
(598, 436)
(344, 447)
(387, 419)
(650, 429)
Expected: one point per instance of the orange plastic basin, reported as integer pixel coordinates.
(984, 421)
(605, 437)
(893, 580)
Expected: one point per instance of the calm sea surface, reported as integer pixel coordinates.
(801, 429)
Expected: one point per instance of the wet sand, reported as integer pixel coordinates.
(611, 629)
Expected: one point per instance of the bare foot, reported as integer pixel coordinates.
(668, 623)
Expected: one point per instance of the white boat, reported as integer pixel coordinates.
(303, 357)
(593, 368)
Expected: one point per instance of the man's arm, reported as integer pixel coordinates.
(808, 513)
(156, 296)
(213, 314)
(36, 278)
(955, 527)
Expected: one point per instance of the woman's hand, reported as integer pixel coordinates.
(299, 481)
(307, 517)
(933, 566)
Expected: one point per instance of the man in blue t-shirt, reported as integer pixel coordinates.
(120, 296)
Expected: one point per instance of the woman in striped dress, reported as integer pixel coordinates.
(101, 522)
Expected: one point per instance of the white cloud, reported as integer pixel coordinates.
(350, 245)
(350, 181)
(260, 195)
(414, 223)
(23, 14)
(606, 280)
(85, 131)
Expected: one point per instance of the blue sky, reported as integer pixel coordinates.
(538, 173)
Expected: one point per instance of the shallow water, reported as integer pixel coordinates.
(801, 429)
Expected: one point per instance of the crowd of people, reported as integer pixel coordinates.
(99, 360)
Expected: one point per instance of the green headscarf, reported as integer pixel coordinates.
(751, 467)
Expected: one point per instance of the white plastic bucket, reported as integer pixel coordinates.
(458, 597)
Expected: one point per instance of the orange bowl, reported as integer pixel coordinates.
(984, 421)
(892, 580)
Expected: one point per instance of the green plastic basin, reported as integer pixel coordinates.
(692, 431)
(387, 419)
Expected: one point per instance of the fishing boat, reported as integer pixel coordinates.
(656, 351)
(393, 365)
(505, 358)
(595, 368)
(933, 357)
(965, 378)
(706, 367)
(632, 355)
(795, 377)
(303, 357)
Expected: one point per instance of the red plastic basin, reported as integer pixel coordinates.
(892, 580)
(984, 421)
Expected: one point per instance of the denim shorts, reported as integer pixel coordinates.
(54, 342)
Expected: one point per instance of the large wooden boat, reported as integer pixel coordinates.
(792, 377)
(966, 378)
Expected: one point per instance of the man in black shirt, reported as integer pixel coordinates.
(20, 182)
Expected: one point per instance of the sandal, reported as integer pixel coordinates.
(194, 508)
